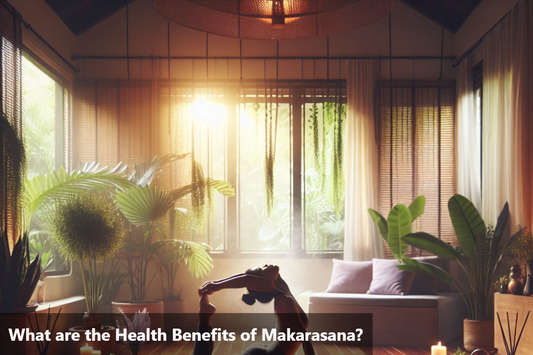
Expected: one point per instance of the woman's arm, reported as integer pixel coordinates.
(253, 282)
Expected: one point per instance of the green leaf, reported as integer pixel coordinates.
(467, 222)
(425, 268)
(381, 222)
(417, 207)
(223, 187)
(399, 224)
(59, 185)
(144, 172)
(144, 204)
(432, 244)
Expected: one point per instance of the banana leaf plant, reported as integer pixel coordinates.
(144, 207)
(398, 224)
(479, 253)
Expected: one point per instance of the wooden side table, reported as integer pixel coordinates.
(513, 304)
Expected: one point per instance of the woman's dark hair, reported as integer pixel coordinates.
(252, 295)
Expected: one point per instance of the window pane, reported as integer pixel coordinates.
(258, 231)
(324, 227)
(39, 115)
(42, 100)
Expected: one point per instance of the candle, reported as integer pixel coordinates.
(86, 350)
(438, 350)
(97, 352)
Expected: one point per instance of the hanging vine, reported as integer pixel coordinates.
(313, 120)
(337, 168)
(270, 156)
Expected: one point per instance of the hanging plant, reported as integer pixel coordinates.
(269, 159)
(313, 119)
(198, 194)
(337, 173)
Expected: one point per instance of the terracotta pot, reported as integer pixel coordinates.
(154, 308)
(14, 318)
(106, 347)
(478, 334)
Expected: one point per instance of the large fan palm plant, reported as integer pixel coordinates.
(145, 207)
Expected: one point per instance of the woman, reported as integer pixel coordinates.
(264, 285)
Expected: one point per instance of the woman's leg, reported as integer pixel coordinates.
(204, 325)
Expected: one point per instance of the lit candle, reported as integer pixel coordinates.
(97, 352)
(86, 350)
(438, 350)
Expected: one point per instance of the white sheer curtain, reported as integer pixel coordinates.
(468, 139)
(505, 76)
(362, 240)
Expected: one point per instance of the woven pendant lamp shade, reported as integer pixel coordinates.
(273, 19)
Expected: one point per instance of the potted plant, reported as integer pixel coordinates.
(144, 208)
(478, 255)
(88, 229)
(18, 273)
(172, 255)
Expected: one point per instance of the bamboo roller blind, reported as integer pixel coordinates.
(417, 153)
(133, 121)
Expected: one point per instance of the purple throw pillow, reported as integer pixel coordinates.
(388, 280)
(350, 276)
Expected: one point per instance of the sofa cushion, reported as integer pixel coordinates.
(350, 276)
(368, 300)
(388, 280)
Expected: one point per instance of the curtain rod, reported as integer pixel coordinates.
(28, 27)
(151, 57)
(471, 49)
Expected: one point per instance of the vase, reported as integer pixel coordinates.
(516, 286)
(154, 308)
(478, 334)
(91, 320)
(504, 288)
(528, 288)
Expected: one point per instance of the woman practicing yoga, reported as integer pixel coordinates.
(264, 285)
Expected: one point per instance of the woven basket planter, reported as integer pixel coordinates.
(478, 334)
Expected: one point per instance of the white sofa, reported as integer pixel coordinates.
(410, 321)
(402, 319)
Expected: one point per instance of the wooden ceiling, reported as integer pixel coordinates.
(80, 15)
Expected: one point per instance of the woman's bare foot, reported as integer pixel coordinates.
(206, 310)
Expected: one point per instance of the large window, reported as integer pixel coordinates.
(228, 129)
(417, 152)
(44, 118)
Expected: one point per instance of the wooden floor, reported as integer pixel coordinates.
(236, 347)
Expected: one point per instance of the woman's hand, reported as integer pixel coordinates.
(208, 288)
